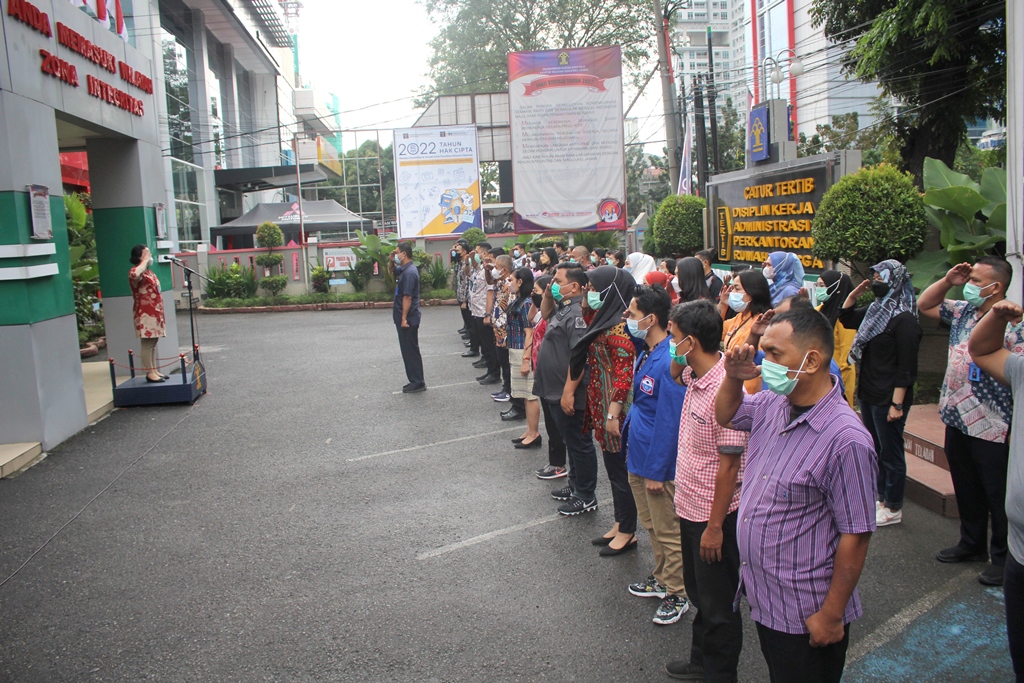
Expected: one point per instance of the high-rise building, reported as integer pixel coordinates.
(729, 21)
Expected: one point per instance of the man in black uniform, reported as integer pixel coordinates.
(407, 316)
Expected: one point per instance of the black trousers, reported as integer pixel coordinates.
(506, 369)
(485, 337)
(717, 631)
(978, 470)
(467, 319)
(409, 341)
(622, 492)
(1013, 589)
(791, 659)
(556, 447)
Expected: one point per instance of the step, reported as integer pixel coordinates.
(925, 435)
(931, 486)
(16, 456)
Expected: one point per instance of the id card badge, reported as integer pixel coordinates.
(974, 373)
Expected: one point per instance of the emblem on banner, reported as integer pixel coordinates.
(457, 206)
(610, 211)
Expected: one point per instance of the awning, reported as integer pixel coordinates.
(325, 215)
(267, 177)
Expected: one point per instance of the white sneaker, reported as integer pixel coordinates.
(886, 517)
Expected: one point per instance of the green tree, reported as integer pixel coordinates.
(870, 216)
(944, 60)
(732, 138)
(678, 226)
(269, 237)
(646, 181)
(367, 182)
(470, 51)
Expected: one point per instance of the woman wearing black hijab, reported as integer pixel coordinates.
(831, 291)
(608, 352)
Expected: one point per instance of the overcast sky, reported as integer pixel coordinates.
(371, 52)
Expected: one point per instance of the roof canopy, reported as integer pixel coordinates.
(318, 216)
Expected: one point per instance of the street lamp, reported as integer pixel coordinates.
(796, 68)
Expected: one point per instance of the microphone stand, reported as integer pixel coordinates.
(188, 273)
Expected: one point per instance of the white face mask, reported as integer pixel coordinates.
(675, 285)
(768, 272)
(495, 273)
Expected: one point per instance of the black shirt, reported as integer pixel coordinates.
(715, 285)
(565, 327)
(889, 360)
(407, 283)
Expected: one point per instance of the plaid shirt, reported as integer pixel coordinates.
(701, 439)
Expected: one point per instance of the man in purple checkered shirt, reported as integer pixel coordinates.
(807, 507)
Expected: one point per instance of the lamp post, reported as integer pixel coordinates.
(796, 68)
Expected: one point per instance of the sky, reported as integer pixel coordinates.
(371, 53)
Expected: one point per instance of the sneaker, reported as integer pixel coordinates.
(577, 506)
(671, 609)
(501, 397)
(549, 472)
(648, 588)
(886, 517)
(685, 670)
(564, 493)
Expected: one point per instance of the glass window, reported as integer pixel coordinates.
(187, 214)
(177, 76)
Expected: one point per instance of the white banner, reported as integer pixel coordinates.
(42, 223)
(437, 180)
(568, 152)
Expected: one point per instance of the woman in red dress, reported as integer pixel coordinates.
(148, 309)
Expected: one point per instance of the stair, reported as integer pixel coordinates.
(928, 480)
(16, 456)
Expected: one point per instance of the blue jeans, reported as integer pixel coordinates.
(579, 446)
(892, 461)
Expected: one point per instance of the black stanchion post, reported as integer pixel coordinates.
(131, 362)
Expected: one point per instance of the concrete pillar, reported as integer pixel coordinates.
(230, 107)
(127, 180)
(42, 398)
(209, 213)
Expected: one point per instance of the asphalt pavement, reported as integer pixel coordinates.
(306, 521)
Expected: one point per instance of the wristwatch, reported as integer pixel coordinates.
(609, 416)
(898, 406)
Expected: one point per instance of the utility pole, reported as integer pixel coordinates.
(667, 95)
(700, 134)
(712, 110)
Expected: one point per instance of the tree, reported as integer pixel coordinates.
(844, 132)
(646, 181)
(367, 182)
(732, 139)
(870, 216)
(269, 236)
(678, 226)
(469, 53)
(943, 60)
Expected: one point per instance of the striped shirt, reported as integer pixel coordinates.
(701, 439)
(805, 483)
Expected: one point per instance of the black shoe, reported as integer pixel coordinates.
(490, 379)
(480, 364)
(684, 670)
(413, 388)
(992, 576)
(602, 540)
(470, 354)
(513, 414)
(156, 381)
(564, 493)
(536, 443)
(958, 553)
(462, 331)
(577, 506)
(467, 343)
(609, 551)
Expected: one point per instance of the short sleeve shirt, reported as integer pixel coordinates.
(701, 439)
(566, 327)
(478, 293)
(518, 321)
(1014, 371)
(407, 283)
(806, 482)
(980, 407)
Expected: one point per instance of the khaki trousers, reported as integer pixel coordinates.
(657, 514)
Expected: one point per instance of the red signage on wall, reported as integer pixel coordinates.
(111, 95)
(58, 68)
(29, 14)
(76, 42)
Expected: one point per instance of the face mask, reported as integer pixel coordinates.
(823, 294)
(972, 294)
(879, 288)
(634, 328)
(593, 258)
(517, 253)
(556, 291)
(776, 377)
(628, 269)
(672, 346)
(675, 285)
(768, 272)
(495, 273)
(476, 258)
(736, 302)
(537, 299)
(398, 260)
(572, 261)
(455, 254)
(594, 300)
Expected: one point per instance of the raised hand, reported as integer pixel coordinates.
(1007, 310)
(739, 363)
(760, 324)
(959, 274)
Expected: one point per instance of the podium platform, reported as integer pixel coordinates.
(185, 387)
(928, 481)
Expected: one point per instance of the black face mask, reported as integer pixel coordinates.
(537, 298)
(879, 288)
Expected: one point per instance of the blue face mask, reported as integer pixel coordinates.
(736, 302)
(672, 346)
(776, 377)
(476, 257)
(972, 294)
(556, 291)
(398, 260)
(634, 328)
(594, 300)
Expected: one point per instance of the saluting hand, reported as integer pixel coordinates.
(959, 275)
(855, 294)
(760, 324)
(1008, 311)
(739, 363)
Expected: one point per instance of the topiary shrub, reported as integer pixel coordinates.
(870, 216)
(274, 284)
(474, 236)
(678, 226)
(269, 236)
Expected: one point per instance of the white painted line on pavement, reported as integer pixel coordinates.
(436, 443)
(905, 617)
(484, 537)
(440, 386)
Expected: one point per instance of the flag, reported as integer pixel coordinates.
(119, 25)
(99, 10)
(686, 168)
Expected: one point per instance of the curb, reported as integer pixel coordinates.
(338, 306)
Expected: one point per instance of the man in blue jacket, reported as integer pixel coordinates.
(649, 433)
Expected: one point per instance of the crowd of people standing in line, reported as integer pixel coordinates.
(724, 413)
